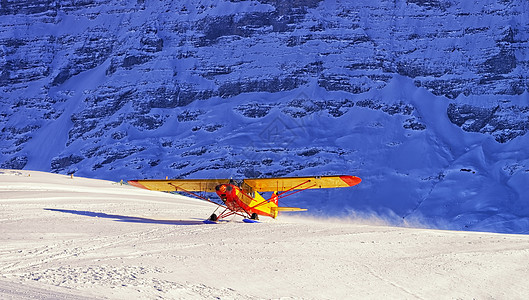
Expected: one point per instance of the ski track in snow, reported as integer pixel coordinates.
(406, 95)
(78, 238)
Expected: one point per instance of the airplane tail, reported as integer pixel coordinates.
(275, 209)
(272, 204)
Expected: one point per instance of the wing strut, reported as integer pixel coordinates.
(293, 188)
(294, 192)
(191, 193)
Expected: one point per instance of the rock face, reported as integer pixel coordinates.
(504, 122)
(109, 88)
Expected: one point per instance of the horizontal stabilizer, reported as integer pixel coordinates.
(288, 209)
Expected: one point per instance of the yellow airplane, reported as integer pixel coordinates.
(243, 198)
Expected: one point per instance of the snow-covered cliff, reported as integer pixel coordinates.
(426, 101)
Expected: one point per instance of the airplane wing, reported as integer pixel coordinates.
(301, 183)
(172, 185)
(249, 185)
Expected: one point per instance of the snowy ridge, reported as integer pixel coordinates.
(426, 101)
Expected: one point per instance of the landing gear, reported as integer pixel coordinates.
(213, 218)
(254, 218)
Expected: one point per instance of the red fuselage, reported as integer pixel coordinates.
(238, 200)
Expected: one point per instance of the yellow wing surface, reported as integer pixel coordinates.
(300, 183)
(250, 185)
(186, 185)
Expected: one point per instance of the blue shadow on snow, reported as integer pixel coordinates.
(120, 218)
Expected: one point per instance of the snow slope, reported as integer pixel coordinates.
(64, 238)
(426, 101)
